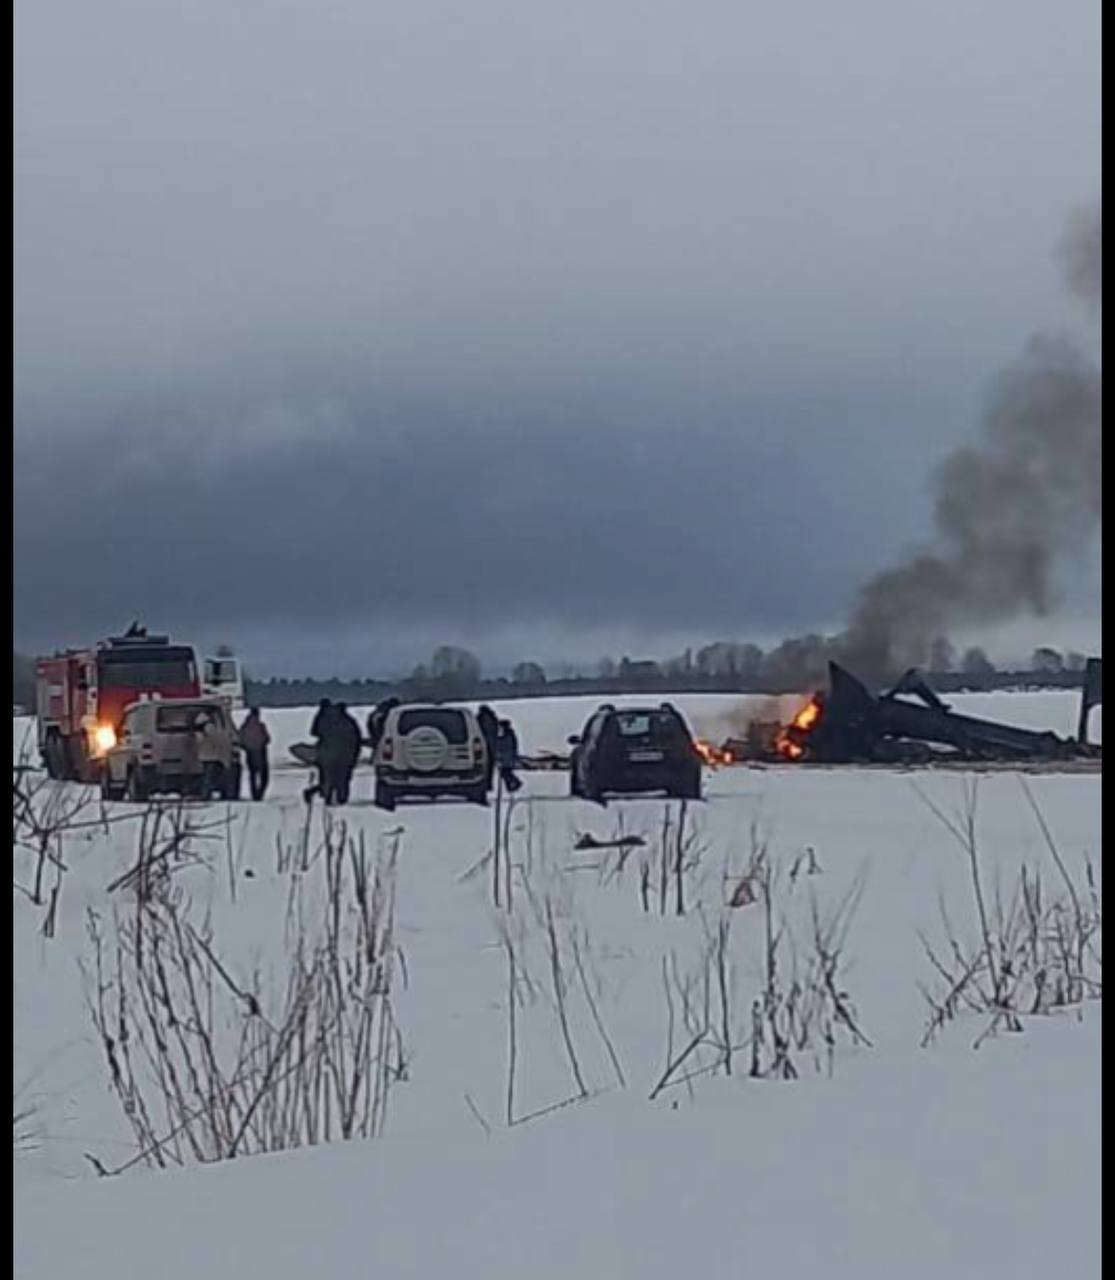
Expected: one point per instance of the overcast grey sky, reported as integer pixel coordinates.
(347, 328)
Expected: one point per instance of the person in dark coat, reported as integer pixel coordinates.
(377, 720)
(255, 739)
(507, 755)
(348, 752)
(323, 715)
(324, 729)
(489, 727)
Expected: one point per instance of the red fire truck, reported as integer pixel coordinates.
(80, 696)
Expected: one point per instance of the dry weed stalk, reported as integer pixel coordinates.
(802, 1010)
(26, 1130)
(45, 814)
(547, 923)
(1036, 953)
(207, 1068)
(707, 1044)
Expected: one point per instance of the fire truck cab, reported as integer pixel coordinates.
(80, 696)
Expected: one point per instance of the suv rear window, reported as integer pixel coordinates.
(182, 719)
(662, 726)
(451, 723)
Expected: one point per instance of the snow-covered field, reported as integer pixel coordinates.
(903, 1162)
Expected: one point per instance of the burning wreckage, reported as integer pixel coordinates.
(850, 725)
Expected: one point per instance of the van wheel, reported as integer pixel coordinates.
(383, 798)
(109, 791)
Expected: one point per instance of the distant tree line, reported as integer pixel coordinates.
(724, 667)
(454, 673)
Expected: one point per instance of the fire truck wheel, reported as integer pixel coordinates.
(136, 788)
(109, 790)
(75, 766)
(53, 757)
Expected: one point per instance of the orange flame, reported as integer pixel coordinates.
(788, 743)
(711, 755)
(808, 716)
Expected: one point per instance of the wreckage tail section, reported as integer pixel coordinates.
(1091, 695)
(855, 725)
(849, 723)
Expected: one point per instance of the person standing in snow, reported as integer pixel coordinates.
(255, 739)
(489, 727)
(324, 730)
(377, 719)
(348, 752)
(507, 756)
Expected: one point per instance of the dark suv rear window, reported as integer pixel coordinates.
(660, 726)
(451, 723)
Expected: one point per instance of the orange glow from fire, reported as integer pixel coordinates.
(807, 717)
(788, 743)
(713, 756)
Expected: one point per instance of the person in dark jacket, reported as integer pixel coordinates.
(255, 739)
(322, 716)
(377, 719)
(507, 755)
(324, 729)
(489, 727)
(348, 752)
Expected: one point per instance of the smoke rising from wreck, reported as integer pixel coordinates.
(1008, 509)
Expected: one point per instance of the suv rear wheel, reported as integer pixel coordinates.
(574, 783)
(688, 785)
(383, 797)
(591, 791)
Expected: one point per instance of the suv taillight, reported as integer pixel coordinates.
(477, 750)
(388, 748)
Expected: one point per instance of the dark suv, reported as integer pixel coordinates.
(630, 749)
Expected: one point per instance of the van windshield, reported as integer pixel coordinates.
(451, 723)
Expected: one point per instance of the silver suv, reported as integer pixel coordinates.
(431, 751)
(185, 745)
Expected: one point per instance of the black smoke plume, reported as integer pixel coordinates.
(1008, 509)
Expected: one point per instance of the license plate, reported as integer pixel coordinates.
(645, 757)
